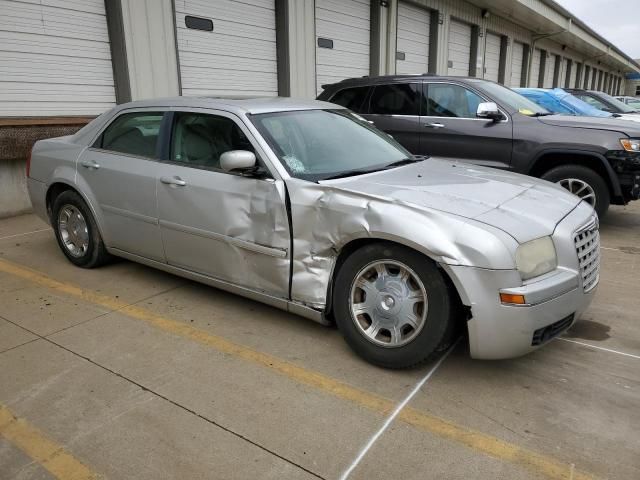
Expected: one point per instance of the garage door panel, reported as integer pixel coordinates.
(347, 24)
(492, 57)
(517, 59)
(535, 68)
(459, 48)
(238, 57)
(413, 39)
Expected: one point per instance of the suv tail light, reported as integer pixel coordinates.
(29, 163)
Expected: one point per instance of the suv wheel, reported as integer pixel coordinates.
(393, 306)
(583, 182)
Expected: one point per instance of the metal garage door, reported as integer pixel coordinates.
(238, 57)
(550, 69)
(492, 57)
(573, 75)
(459, 49)
(55, 60)
(534, 77)
(517, 58)
(413, 39)
(342, 40)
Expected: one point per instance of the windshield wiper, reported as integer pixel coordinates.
(362, 171)
(542, 114)
(405, 161)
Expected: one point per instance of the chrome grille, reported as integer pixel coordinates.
(587, 242)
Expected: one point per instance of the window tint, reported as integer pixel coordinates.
(132, 133)
(592, 101)
(199, 139)
(351, 98)
(446, 100)
(397, 99)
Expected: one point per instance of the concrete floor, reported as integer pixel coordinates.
(126, 372)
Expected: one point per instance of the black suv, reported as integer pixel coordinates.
(482, 122)
(602, 101)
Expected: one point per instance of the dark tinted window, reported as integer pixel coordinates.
(199, 139)
(133, 133)
(446, 100)
(351, 98)
(396, 99)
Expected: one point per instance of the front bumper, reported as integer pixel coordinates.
(553, 301)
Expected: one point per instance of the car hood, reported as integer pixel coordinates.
(524, 207)
(624, 126)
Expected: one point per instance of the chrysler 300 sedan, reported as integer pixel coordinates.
(307, 207)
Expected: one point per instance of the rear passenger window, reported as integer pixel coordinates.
(199, 139)
(351, 98)
(396, 99)
(132, 133)
(447, 100)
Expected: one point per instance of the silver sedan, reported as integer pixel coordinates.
(305, 206)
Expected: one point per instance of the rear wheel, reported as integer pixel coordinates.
(77, 232)
(393, 306)
(583, 182)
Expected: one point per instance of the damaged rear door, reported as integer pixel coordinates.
(224, 225)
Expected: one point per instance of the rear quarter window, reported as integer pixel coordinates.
(352, 98)
(132, 133)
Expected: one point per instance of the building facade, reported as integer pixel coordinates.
(64, 61)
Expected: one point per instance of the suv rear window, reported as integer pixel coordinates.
(351, 98)
(396, 99)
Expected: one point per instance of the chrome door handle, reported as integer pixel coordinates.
(434, 125)
(90, 164)
(177, 181)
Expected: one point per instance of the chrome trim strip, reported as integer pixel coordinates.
(262, 297)
(129, 214)
(253, 247)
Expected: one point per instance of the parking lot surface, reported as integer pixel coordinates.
(127, 372)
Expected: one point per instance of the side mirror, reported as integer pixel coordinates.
(489, 110)
(237, 161)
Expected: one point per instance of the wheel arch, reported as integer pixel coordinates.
(550, 159)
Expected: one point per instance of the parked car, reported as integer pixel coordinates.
(479, 121)
(559, 101)
(305, 206)
(603, 101)
(633, 102)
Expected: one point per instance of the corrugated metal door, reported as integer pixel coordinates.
(535, 68)
(413, 39)
(550, 69)
(342, 40)
(517, 58)
(238, 57)
(55, 59)
(492, 57)
(573, 75)
(459, 49)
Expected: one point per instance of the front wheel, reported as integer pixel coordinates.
(393, 306)
(583, 182)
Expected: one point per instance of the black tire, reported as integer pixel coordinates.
(587, 175)
(439, 328)
(96, 253)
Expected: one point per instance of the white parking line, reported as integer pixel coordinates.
(394, 414)
(601, 348)
(26, 233)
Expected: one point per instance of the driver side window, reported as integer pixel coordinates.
(199, 140)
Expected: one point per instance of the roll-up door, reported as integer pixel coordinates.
(54, 59)
(550, 69)
(492, 57)
(574, 74)
(534, 77)
(517, 58)
(342, 40)
(459, 49)
(413, 39)
(230, 48)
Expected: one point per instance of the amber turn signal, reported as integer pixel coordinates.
(512, 299)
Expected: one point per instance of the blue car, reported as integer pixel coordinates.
(558, 101)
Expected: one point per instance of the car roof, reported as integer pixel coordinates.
(374, 80)
(239, 105)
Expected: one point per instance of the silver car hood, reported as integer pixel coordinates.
(524, 207)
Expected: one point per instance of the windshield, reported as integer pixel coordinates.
(320, 144)
(546, 100)
(623, 107)
(511, 99)
(634, 104)
(578, 106)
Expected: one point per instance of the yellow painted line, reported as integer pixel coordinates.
(47, 453)
(494, 447)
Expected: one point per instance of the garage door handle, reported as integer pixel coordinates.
(177, 181)
(434, 125)
(90, 164)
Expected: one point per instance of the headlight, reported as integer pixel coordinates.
(630, 144)
(536, 257)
